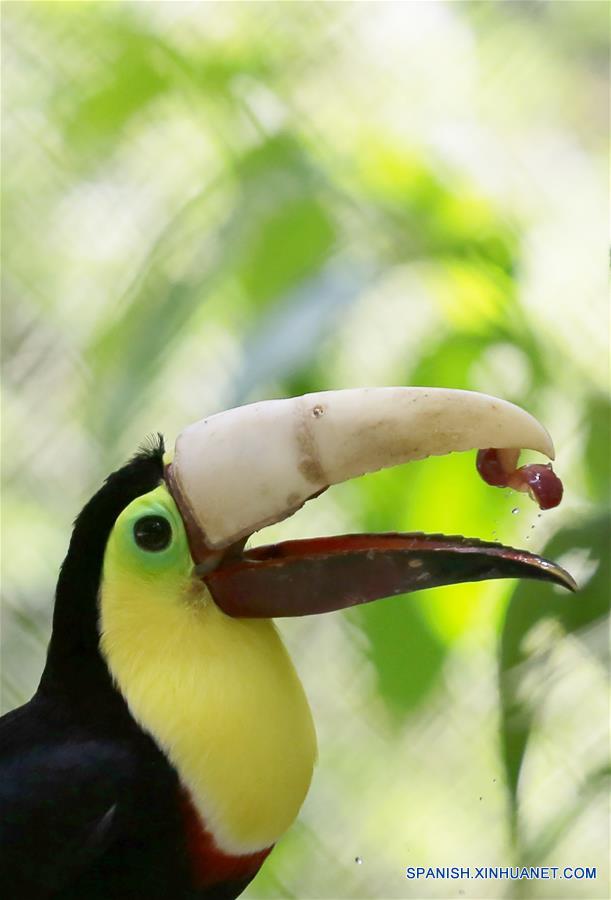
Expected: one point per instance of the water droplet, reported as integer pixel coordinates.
(414, 563)
(358, 860)
(515, 510)
(317, 412)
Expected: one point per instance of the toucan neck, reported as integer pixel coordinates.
(74, 665)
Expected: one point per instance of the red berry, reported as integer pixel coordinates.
(490, 468)
(544, 486)
(496, 467)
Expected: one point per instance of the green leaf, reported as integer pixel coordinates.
(405, 652)
(531, 604)
(133, 79)
(436, 214)
(280, 153)
(597, 459)
(291, 242)
(281, 229)
(449, 360)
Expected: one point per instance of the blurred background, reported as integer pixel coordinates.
(207, 204)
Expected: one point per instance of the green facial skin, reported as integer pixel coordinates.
(168, 566)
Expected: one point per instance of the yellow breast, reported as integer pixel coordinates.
(221, 698)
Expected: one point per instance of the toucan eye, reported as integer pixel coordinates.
(153, 533)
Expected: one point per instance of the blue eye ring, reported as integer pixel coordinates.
(152, 533)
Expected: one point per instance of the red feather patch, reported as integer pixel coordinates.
(209, 864)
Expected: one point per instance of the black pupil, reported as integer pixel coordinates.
(152, 533)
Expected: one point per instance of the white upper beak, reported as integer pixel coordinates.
(240, 470)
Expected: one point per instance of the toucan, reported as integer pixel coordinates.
(170, 744)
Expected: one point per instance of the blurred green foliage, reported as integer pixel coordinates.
(208, 204)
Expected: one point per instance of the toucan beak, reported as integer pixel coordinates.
(238, 471)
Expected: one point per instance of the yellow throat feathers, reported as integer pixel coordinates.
(221, 698)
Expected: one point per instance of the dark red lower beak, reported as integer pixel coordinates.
(301, 578)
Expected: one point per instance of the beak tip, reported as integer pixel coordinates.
(571, 584)
(563, 578)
